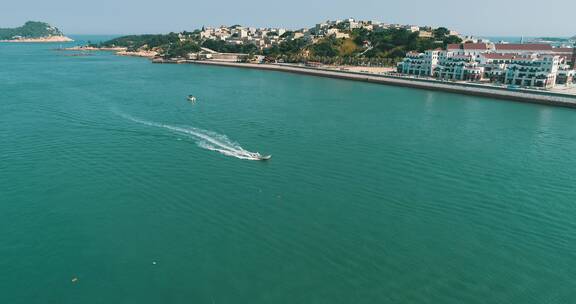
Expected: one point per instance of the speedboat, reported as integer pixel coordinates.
(191, 98)
(264, 157)
(258, 156)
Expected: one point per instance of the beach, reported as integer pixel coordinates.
(42, 39)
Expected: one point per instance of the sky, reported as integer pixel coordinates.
(111, 17)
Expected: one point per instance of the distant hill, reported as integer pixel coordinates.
(30, 30)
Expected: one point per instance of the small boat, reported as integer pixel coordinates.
(258, 156)
(264, 157)
(191, 98)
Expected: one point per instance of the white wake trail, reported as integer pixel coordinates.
(205, 139)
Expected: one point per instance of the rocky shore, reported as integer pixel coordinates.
(145, 54)
(90, 48)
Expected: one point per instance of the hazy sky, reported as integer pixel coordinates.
(486, 17)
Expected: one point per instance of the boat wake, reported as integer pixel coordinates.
(204, 139)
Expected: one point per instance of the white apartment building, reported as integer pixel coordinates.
(539, 48)
(515, 65)
(458, 67)
(419, 64)
(442, 65)
(533, 71)
(495, 65)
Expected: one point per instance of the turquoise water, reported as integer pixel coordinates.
(375, 194)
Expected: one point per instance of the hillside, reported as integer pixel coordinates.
(358, 46)
(30, 30)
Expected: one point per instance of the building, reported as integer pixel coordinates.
(522, 48)
(566, 76)
(264, 38)
(539, 48)
(574, 56)
(534, 70)
(458, 67)
(336, 33)
(425, 34)
(525, 65)
(419, 64)
(470, 49)
(495, 65)
(440, 64)
(411, 28)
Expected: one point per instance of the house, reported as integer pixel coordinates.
(425, 34)
(336, 33)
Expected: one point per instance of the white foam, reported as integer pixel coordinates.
(204, 139)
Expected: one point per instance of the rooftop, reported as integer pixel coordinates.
(469, 46)
(476, 46)
(499, 56)
(524, 47)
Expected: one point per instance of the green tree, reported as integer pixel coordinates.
(181, 49)
(451, 39)
(441, 32)
(326, 47)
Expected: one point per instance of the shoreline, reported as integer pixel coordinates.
(521, 95)
(120, 51)
(475, 89)
(40, 40)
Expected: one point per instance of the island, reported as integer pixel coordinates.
(33, 31)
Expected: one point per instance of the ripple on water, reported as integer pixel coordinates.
(374, 194)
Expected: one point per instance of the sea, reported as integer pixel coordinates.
(116, 189)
